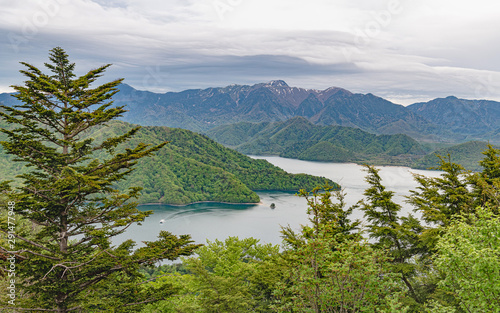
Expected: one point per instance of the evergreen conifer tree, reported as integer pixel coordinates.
(71, 265)
(486, 184)
(398, 235)
(439, 199)
(326, 216)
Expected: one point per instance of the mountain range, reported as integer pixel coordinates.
(444, 119)
(466, 119)
(440, 120)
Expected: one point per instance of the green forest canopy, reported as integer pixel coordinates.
(298, 138)
(191, 168)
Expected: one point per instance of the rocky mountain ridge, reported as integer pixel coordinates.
(439, 120)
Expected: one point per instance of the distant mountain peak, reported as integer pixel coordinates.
(277, 83)
(323, 95)
(332, 88)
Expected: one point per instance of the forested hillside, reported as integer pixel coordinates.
(191, 168)
(298, 138)
(468, 155)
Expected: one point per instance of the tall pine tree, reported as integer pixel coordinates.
(68, 195)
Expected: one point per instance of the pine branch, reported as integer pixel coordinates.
(28, 241)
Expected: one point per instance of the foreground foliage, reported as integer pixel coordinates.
(469, 252)
(234, 275)
(68, 262)
(327, 276)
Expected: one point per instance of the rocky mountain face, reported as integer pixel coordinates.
(203, 109)
(449, 119)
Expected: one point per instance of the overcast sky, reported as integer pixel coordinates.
(402, 50)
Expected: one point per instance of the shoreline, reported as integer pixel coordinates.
(360, 163)
(198, 202)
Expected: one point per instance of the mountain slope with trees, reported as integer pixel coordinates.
(467, 154)
(197, 168)
(191, 168)
(300, 139)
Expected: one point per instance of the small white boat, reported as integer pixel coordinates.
(162, 221)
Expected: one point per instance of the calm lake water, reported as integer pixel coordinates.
(218, 221)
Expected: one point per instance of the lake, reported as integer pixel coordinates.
(218, 221)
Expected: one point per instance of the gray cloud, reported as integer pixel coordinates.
(222, 70)
(405, 50)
